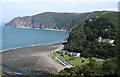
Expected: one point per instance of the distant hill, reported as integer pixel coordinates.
(52, 20)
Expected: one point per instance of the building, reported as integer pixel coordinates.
(99, 60)
(90, 19)
(74, 54)
(100, 39)
(62, 52)
(69, 53)
(106, 29)
(77, 55)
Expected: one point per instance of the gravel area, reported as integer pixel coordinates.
(33, 59)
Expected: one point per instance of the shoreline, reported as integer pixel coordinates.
(34, 45)
(20, 57)
(36, 28)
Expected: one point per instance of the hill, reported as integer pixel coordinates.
(52, 20)
(83, 38)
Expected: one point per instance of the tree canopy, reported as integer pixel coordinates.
(83, 38)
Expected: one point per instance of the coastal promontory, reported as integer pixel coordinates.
(55, 20)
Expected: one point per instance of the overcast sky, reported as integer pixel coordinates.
(15, 8)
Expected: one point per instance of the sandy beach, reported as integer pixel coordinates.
(33, 59)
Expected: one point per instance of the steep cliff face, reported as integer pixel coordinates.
(51, 20)
(20, 22)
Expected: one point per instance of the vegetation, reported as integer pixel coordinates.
(118, 40)
(83, 38)
(108, 67)
(54, 20)
(65, 57)
(75, 60)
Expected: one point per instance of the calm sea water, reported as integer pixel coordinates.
(19, 37)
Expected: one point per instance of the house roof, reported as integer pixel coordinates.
(107, 39)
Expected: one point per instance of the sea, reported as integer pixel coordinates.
(13, 38)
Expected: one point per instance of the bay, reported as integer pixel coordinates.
(13, 38)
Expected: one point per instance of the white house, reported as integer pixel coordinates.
(61, 51)
(71, 53)
(90, 19)
(77, 55)
(100, 39)
(99, 60)
(68, 53)
(74, 54)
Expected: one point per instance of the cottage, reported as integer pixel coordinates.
(100, 39)
(74, 54)
(106, 29)
(68, 53)
(77, 55)
(64, 51)
(99, 60)
(61, 51)
(71, 53)
(90, 19)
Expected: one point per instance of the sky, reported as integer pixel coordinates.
(15, 8)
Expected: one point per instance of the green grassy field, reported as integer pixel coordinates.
(75, 60)
(72, 60)
(78, 61)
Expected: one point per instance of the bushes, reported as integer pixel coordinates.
(109, 67)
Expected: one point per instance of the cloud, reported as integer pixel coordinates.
(110, 9)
